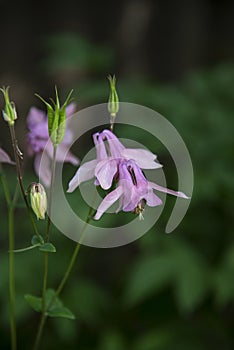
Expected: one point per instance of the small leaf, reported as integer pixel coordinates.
(36, 241)
(57, 309)
(60, 312)
(34, 302)
(50, 295)
(47, 247)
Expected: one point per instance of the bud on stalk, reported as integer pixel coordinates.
(56, 118)
(9, 112)
(113, 103)
(38, 200)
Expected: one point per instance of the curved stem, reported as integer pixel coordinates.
(46, 256)
(64, 279)
(73, 259)
(20, 180)
(75, 254)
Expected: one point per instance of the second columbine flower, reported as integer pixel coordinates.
(122, 167)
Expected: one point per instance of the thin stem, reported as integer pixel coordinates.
(75, 253)
(73, 258)
(11, 261)
(5, 189)
(20, 180)
(46, 257)
(40, 330)
(12, 276)
(64, 279)
(51, 193)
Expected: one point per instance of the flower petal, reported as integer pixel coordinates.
(115, 146)
(100, 146)
(4, 158)
(144, 158)
(70, 109)
(131, 195)
(166, 190)
(110, 199)
(63, 154)
(84, 173)
(152, 200)
(105, 172)
(35, 116)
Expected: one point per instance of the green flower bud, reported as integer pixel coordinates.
(38, 200)
(9, 112)
(56, 118)
(113, 103)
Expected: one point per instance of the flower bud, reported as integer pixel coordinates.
(56, 118)
(38, 200)
(9, 113)
(113, 103)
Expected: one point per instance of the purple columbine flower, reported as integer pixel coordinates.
(4, 158)
(110, 153)
(133, 191)
(38, 138)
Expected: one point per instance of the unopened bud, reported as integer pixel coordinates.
(56, 118)
(9, 112)
(38, 200)
(113, 103)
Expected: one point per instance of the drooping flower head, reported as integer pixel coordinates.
(38, 138)
(109, 153)
(133, 191)
(123, 166)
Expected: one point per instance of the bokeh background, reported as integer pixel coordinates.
(161, 292)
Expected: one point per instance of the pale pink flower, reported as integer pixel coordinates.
(38, 138)
(110, 152)
(133, 191)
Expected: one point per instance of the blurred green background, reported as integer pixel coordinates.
(161, 292)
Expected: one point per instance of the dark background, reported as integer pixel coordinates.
(162, 292)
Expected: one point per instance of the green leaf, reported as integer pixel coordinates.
(56, 309)
(50, 295)
(35, 240)
(34, 302)
(47, 247)
(61, 312)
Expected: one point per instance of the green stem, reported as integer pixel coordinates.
(72, 261)
(51, 193)
(11, 286)
(64, 279)
(74, 255)
(20, 180)
(5, 189)
(39, 332)
(46, 257)
(12, 276)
